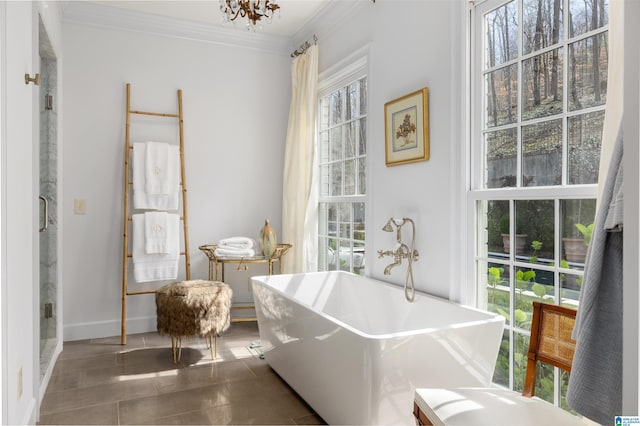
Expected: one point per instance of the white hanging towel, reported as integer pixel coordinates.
(156, 168)
(155, 233)
(142, 199)
(155, 266)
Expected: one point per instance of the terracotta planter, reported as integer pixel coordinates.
(574, 249)
(521, 240)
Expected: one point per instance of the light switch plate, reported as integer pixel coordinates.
(80, 206)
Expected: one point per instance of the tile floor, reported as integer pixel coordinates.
(99, 381)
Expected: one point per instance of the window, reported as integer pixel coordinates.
(342, 154)
(539, 84)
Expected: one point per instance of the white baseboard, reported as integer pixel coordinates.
(97, 329)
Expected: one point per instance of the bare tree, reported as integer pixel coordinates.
(595, 54)
(555, 37)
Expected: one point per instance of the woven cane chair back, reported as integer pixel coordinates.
(550, 341)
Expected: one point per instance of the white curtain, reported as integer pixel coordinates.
(299, 193)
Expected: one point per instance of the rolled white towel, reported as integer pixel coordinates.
(233, 252)
(238, 242)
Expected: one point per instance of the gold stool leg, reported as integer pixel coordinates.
(176, 348)
(212, 345)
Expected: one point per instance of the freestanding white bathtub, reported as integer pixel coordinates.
(355, 350)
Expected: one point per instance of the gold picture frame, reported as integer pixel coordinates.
(406, 125)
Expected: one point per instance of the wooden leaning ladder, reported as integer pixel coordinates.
(128, 187)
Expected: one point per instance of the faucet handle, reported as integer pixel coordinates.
(382, 253)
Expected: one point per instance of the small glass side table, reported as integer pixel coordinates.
(217, 274)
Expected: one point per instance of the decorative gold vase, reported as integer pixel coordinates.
(268, 239)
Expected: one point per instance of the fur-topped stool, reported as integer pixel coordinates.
(193, 308)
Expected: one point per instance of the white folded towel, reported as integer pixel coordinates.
(155, 266)
(156, 168)
(156, 239)
(144, 200)
(238, 242)
(228, 251)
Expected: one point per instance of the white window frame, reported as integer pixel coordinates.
(475, 154)
(351, 69)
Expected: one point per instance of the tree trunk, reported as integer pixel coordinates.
(537, 68)
(493, 104)
(505, 43)
(595, 54)
(555, 36)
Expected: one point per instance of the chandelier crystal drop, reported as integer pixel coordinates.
(253, 10)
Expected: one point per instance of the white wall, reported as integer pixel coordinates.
(236, 103)
(413, 44)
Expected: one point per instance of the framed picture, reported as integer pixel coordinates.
(406, 124)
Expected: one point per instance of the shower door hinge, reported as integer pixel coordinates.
(48, 310)
(48, 101)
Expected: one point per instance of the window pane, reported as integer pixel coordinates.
(363, 96)
(352, 101)
(362, 137)
(336, 144)
(362, 176)
(497, 227)
(350, 140)
(358, 221)
(335, 176)
(345, 220)
(570, 285)
(502, 34)
(502, 96)
(587, 15)
(535, 222)
(350, 177)
(542, 154)
(585, 139)
(520, 349)
(542, 85)
(542, 24)
(588, 60)
(501, 372)
(337, 106)
(358, 258)
(577, 218)
(501, 151)
(497, 288)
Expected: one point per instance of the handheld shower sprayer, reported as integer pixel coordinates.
(401, 251)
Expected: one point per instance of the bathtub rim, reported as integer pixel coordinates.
(491, 316)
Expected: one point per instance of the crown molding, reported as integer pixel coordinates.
(334, 14)
(99, 15)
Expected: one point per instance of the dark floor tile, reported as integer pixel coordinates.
(66, 366)
(94, 395)
(203, 375)
(70, 380)
(141, 410)
(106, 414)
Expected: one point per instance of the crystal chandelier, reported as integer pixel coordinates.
(253, 10)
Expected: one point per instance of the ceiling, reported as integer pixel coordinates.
(293, 13)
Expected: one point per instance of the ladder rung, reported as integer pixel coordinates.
(155, 114)
(182, 253)
(130, 219)
(131, 183)
(132, 293)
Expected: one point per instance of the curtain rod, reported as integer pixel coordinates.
(303, 47)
